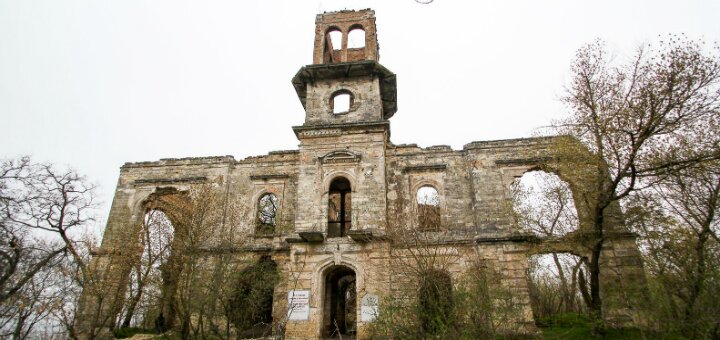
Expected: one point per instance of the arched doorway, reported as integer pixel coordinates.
(146, 284)
(340, 307)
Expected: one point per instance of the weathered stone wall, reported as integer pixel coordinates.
(473, 184)
(411, 167)
(384, 245)
(366, 106)
(356, 153)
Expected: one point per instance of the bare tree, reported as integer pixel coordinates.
(641, 120)
(43, 211)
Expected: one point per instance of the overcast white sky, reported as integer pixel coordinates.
(96, 83)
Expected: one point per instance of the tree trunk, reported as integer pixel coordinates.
(582, 282)
(132, 306)
(565, 298)
(698, 280)
(595, 300)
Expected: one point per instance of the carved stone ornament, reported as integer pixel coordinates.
(320, 133)
(336, 157)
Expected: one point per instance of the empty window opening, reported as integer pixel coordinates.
(147, 280)
(341, 102)
(267, 213)
(340, 308)
(428, 208)
(339, 208)
(559, 283)
(543, 204)
(252, 300)
(335, 39)
(436, 301)
(356, 38)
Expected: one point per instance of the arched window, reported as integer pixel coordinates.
(436, 301)
(267, 213)
(356, 38)
(147, 279)
(544, 204)
(428, 208)
(334, 37)
(341, 102)
(339, 208)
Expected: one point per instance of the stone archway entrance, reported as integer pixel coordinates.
(340, 307)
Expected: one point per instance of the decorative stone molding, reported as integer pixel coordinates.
(154, 181)
(320, 133)
(336, 157)
(522, 161)
(266, 177)
(425, 168)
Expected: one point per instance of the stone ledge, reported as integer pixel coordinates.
(269, 176)
(425, 168)
(522, 161)
(512, 238)
(194, 179)
(181, 161)
(508, 143)
(361, 236)
(312, 236)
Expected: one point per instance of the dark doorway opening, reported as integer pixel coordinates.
(250, 306)
(340, 312)
(339, 208)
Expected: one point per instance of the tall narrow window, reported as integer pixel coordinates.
(335, 39)
(339, 208)
(356, 38)
(267, 212)
(333, 45)
(428, 208)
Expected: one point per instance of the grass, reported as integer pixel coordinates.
(570, 326)
(128, 332)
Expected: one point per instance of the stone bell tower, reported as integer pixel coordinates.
(348, 98)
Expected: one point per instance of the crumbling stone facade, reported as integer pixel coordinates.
(348, 175)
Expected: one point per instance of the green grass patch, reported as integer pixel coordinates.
(570, 326)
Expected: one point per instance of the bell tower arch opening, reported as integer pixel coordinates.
(345, 36)
(340, 303)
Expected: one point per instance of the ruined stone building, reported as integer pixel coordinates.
(339, 216)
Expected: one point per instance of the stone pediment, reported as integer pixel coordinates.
(336, 157)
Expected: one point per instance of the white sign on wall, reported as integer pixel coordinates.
(369, 308)
(299, 305)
